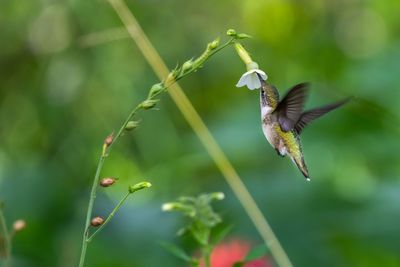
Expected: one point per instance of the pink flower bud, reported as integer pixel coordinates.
(97, 221)
(106, 182)
(109, 139)
(19, 225)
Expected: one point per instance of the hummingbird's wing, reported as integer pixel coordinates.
(313, 114)
(290, 108)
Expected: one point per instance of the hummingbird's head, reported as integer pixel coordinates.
(269, 98)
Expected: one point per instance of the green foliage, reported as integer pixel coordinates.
(176, 251)
(254, 254)
(202, 219)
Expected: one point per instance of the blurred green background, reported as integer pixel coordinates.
(63, 89)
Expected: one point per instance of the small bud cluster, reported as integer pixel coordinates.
(19, 225)
(187, 66)
(131, 125)
(97, 221)
(109, 139)
(200, 212)
(107, 143)
(214, 44)
(234, 34)
(203, 57)
(108, 181)
(138, 186)
(156, 89)
(149, 103)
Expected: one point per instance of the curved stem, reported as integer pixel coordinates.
(106, 150)
(7, 240)
(207, 256)
(90, 209)
(90, 238)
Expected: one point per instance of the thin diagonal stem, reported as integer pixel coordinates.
(7, 240)
(90, 210)
(195, 121)
(109, 216)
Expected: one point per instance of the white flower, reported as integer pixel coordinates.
(251, 79)
(167, 206)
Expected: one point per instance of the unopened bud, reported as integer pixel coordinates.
(172, 76)
(168, 206)
(131, 125)
(149, 103)
(155, 89)
(214, 44)
(109, 139)
(217, 196)
(243, 36)
(19, 225)
(187, 66)
(97, 221)
(106, 182)
(176, 206)
(139, 186)
(231, 32)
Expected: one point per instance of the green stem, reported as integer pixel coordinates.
(200, 63)
(195, 68)
(85, 238)
(109, 217)
(90, 210)
(7, 240)
(207, 256)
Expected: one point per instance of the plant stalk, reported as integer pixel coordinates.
(116, 208)
(7, 240)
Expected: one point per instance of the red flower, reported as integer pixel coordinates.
(228, 253)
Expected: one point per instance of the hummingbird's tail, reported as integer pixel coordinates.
(299, 161)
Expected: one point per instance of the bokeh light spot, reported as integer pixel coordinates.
(361, 33)
(50, 32)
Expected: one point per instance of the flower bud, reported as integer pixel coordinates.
(243, 36)
(138, 186)
(149, 103)
(217, 196)
(97, 221)
(187, 66)
(19, 225)
(189, 210)
(168, 206)
(172, 76)
(131, 125)
(109, 139)
(106, 182)
(155, 89)
(214, 44)
(231, 32)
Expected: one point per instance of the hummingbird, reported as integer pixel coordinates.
(284, 120)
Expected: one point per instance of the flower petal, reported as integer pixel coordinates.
(262, 74)
(253, 82)
(242, 81)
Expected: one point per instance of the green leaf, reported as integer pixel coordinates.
(256, 253)
(221, 234)
(238, 264)
(177, 251)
